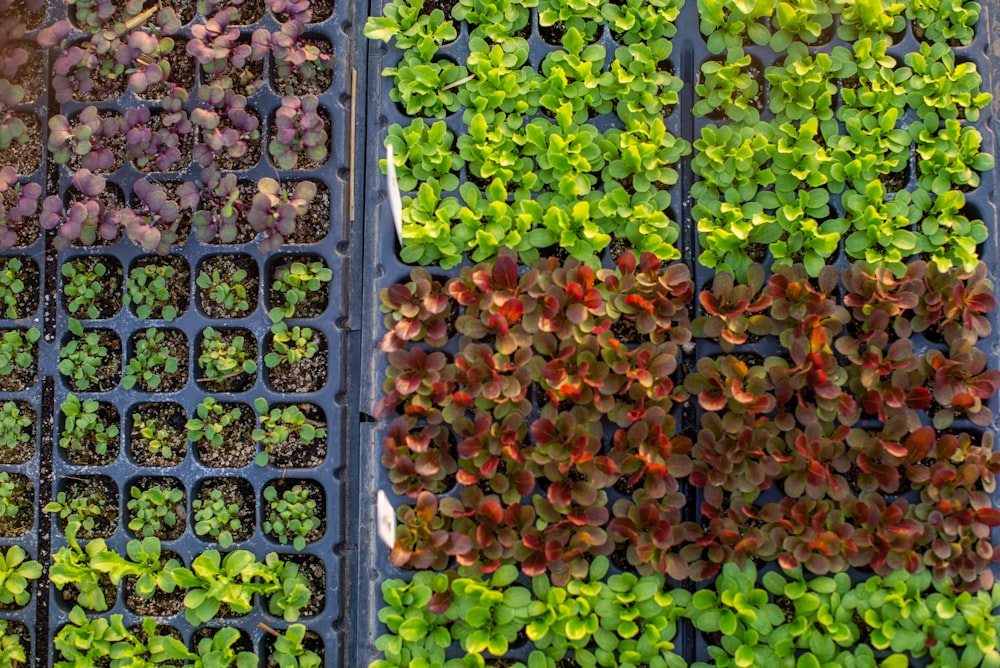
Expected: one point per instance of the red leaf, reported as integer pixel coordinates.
(505, 273)
(989, 516)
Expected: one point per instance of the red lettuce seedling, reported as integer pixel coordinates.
(423, 537)
(811, 533)
(276, 207)
(652, 530)
(417, 458)
(818, 459)
(81, 220)
(654, 299)
(887, 379)
(13, 131)
(738, 455)
(649, 454)
(421, 383)
(495, 529)
(87, 137)
(418, 310)
(299, 133)
(158, 143)
(152, 223)
(955, 304)
(962, 384)
(491, 451)
(219, 197)
(879, 300)
(228, 132)
(892, 535)
(734, 312)
(18, 203)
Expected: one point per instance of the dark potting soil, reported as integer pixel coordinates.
(109, 299)
(238, 448)
(176, 344)
(165, 532)
(23, 498)
(167, 421)
(29, 76)
(315, 224)
(86, 453)
(292, 453)
(227, 265)
(178, 285)
(160, 604)
(307, 375)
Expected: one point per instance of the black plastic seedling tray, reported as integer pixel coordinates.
(384, 267)
(340, 250)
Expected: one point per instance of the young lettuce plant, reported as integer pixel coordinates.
(421, 152)
(153, 221)
(949, 237)
(875, 19)
(727, 24)
(427, 227)
(942, 88)
(426, 88)
(728, 88)
(489, 222)
(81, 220)
(299, 133)
(950, 155)
(802, 20)
(86, 138)
(581, 15)
(502, 80)
(635, 21)
(944, 22)
(276, 207)
(804, 86)
(414, 29)
(18, 205)
(880, 227)
(417, 628)
(574, 75)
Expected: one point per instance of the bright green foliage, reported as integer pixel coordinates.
(947, 235)
(945, 21)
(220, 359)
(572, 228)
(230, 294)
(153, 509)
(421, 152)
(729, 88)
(81, 357)
(17, 573)
(71, 564)
(151, 359)
(880, 226)
(290, 345)
(638, 21)
(490, 222)
(804, 87)
(83, 427)
(83, 287)
(576, 76)
(804, 20)
(870, 18)
(17, 349)
(296, 281)
(290, 516)
(492, 150)
(501, 79)
(567, 154)
(427, 221)
(643, 87)
(217, 651)
(941, 88)
(580, 15)
(731, 161)
(726, 22)
(277, 425)
(15, 428)
(11, 286)
(290, 651)
(495, 20)
(214, 517)
(146, 288)
(426, 88)
(210, 421)
(874, 146)
(11, 648)
(80, 510)
(949, 154)
(8, 502)
(412, 28)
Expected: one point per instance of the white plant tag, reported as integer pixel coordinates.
(395, 203)
(386, 519)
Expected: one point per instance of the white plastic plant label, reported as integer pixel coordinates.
(395, 203)
(385, 516)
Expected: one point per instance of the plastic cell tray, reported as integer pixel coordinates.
(384, 267)
(340, 250)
